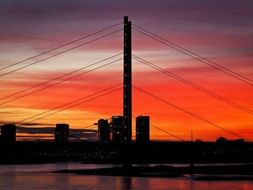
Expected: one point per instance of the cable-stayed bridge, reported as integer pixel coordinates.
(126, 57)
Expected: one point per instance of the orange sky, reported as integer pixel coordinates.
(226, 41)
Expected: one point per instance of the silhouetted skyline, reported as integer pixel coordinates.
(211, 29)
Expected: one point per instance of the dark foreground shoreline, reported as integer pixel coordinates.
(228, 172)
(115, 153)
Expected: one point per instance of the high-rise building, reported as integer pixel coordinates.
(142, 129)
(103, 130)
(117, 128)
(61, 133)
(8, 133)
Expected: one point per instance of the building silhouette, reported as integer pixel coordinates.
(117, 129)
(8, 133)
(103, 130)
(61, 133)
(142, 129)
(127, 79)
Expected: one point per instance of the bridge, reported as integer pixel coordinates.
(126, 57)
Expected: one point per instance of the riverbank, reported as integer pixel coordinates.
(136, 171)
(113, 153)
(212, 172)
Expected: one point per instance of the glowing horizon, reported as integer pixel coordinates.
(227, 42)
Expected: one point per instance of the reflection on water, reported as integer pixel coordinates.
(30, 177)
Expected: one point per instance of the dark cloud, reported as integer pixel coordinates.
(35, 124)
(90, 134)
(49, 130)
(34, 130)
(43, 14)
(44, 23)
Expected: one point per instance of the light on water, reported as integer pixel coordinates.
(39, 176)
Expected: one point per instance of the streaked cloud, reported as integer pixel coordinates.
(213, 29)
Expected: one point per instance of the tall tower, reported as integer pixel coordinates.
(127, 99)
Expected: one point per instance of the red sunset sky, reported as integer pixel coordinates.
(212, 29)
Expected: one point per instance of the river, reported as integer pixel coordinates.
(39, 176)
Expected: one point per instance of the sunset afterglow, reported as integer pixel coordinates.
(224, 36)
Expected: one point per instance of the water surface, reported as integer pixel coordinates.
(39, 176)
